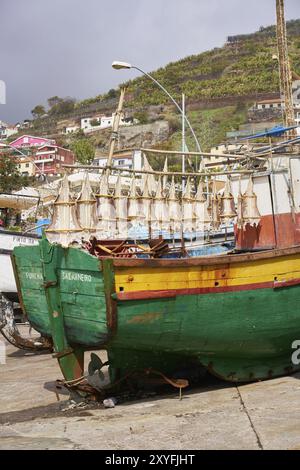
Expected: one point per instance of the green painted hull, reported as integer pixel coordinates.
(239, 336)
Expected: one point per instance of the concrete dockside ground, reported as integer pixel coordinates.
(215, 415)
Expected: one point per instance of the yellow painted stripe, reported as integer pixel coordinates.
(163, 278)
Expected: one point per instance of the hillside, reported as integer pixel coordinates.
(219, 86)
(243, 66)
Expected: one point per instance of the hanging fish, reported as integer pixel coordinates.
(188, 209)
(201, 210)
(149, 177)
(86, 206)
(215, 208)
(146, 200)
(174, 209)
(160, 209)
(227, 211)
(165, 177)
(64, 228)
(240, 221)
(132, 201)
(251, 214)
(106, 227)
(121, 205)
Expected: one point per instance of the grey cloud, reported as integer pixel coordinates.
(65, 47)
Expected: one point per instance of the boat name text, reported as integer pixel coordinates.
(69, 276)
(37, 276)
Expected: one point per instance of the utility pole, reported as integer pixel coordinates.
(284, 67)
(183, 138)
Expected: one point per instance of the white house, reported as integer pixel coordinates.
(298, 122)
(71, 129)
(274, 103)
(131, 160)
(296, 93)
(103, 122)
(7, 130)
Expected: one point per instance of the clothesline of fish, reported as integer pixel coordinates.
(148, 208)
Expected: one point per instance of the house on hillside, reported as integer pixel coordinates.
(49, 159)
(131, 160)
(273, 103)
(296, 93)
(71, 129)
(7, 130)
(298, 122)
(29, 141)
(26, 166)
(67, 126)
(2, 130)
(95, 123)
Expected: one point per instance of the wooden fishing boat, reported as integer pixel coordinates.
(234, 314)
(10, 311)
(8, 241)
(156, 307)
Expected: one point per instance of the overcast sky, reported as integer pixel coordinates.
(65, 47)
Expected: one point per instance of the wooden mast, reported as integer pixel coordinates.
(284, 66)
(114, 132)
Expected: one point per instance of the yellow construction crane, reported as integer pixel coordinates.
(284, 65)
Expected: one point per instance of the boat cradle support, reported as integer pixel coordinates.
(70, 359)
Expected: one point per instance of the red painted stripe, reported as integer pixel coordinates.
(146, 294)
(162, 294)
(291, 282)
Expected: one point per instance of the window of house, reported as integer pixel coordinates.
(121, 162)
(271, 106)
(27, 165)
(263, 106)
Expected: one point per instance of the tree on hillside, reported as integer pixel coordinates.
(141, 116)
(38, 111)
(63, 106)
(112, 93)
(10, 178)
(84, 151)
(54, 100)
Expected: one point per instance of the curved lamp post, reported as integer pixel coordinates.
(125, 65)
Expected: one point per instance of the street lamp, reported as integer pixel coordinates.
(125, 65)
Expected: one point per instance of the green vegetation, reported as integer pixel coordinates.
(38, 111)
(83, 150)
(141, 116)
(239, 72)
(61, 106)
(243, 66)
(211, 125)
(10, 178)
